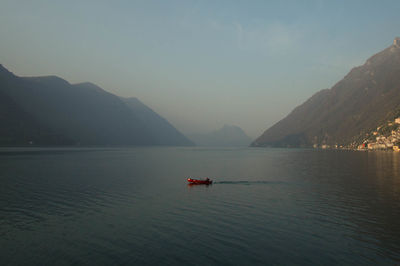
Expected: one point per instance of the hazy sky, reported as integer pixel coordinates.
(200, 64)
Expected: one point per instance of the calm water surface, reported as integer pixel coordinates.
(133, 206)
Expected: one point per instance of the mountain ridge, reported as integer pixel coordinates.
(365, 97)
(82, 114)
(228, 135)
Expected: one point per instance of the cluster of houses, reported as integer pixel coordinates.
(381, 142)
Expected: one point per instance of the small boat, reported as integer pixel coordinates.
(206, 181)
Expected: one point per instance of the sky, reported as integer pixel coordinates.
(199, 64)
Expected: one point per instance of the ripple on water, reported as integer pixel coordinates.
(111, 207)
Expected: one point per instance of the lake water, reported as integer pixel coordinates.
(133, 206)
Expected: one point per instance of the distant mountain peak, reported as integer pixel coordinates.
(227, 135)
(230, 126)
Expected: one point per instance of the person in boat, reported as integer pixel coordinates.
(207, 179)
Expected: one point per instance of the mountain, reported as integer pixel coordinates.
(18, 127)
(366, 97)
(161, 130)
(50, 111)
(228, 135)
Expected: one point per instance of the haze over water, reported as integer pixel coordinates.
(133, 206)
(200, 64)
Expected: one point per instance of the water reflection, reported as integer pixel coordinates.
(266, 207)
(190, 185)
(361, 192)
(384, 164)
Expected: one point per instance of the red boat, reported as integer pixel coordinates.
(206, 181)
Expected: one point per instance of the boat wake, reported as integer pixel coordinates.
(243, 182)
